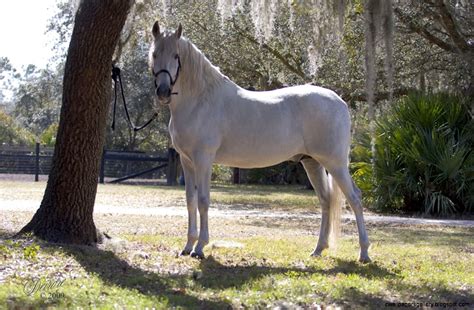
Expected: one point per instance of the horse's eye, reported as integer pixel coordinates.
(154, 54)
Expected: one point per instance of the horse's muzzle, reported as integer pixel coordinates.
(163, 92)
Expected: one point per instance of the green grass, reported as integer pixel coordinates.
(410, 265)
(281, 197)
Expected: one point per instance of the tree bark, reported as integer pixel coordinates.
(65, 213)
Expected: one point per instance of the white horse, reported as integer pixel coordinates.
(213, 120)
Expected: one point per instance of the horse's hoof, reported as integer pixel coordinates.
(197, 255)
(365, 260)
(318, 251)
(184, 253)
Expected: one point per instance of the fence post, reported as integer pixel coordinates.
(236, 176)
(102, 167)
(172, 167)
(37, 161)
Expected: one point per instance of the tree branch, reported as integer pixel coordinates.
(124, 41)
(451, 28)
(298, 71)
(414, 27)
(352, 97)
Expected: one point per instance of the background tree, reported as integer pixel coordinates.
(448, 28)
(65, 213)
(37, 98)
(413, 45)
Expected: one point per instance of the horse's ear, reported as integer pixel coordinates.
(179, 31)
(156, 30)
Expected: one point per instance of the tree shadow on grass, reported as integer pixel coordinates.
(114, 270)
(216, 275)
(416, 235)
(219, 276)
(432, 295)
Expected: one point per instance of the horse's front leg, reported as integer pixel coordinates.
(203, 168)
(191, 203)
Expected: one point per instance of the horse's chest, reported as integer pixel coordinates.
(185, 137)
(195, 137)
(179, 136)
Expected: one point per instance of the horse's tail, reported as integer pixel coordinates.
(336, 200)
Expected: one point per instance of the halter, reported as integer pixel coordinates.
(169, 74)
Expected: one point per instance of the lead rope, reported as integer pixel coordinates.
(116, 76)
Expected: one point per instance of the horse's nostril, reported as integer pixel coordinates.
(163, 91)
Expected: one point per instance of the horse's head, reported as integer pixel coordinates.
(164, 62)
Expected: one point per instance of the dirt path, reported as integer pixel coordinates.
(235, 211)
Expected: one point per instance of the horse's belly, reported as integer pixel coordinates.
(257, 157)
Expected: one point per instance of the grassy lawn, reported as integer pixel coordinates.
(412, 265)
(281, 197)
(251, 262)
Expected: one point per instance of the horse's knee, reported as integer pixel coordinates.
(355, 200)
(324, 201)
(203, 203)
(357, 190)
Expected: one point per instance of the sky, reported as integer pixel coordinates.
(22, 31)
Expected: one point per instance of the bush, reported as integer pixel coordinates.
(424, 160)
(283, 173)
(221, 173)
(48, 137)
(11, 133)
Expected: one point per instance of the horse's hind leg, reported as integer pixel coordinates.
(318, 178)
(353, 195)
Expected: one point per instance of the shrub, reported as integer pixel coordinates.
(48, 137)
(424, 160)
(283, 173)
(221, 173)
(11, 133)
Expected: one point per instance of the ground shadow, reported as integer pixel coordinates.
(216, 275)
(430, 295)
(419, 235)
(116, 271)
(219, 276)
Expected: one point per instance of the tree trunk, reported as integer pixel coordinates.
(65, 213)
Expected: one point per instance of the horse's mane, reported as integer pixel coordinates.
(198, 74)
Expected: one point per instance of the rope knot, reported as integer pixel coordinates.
(115, 73)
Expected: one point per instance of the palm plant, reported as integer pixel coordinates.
(424, 160)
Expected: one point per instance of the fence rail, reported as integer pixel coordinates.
(120, 165)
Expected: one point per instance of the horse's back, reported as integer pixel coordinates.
(269, 127)
(315, 110)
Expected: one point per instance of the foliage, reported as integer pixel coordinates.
(30, 252)
(221, 173)
(293, 43)
(11, 133)
(284, 173)
(48, 137)
(37, 98)
(424, 160)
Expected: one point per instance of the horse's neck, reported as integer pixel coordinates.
(198, 77)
